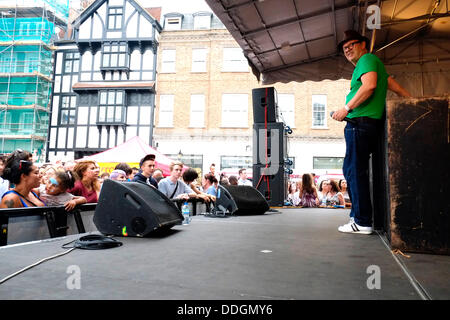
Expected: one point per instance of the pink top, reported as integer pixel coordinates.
(80, 190)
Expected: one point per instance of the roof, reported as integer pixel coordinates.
(155, 13)
(187, 19)
(291, 40)
(88, 11)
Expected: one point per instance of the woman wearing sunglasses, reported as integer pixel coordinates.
(54, 192)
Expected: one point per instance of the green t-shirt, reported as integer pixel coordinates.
(373, 107)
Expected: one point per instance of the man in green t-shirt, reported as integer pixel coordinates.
(364, 106)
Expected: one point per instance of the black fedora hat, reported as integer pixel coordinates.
(352, 35)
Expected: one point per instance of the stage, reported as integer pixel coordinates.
(286, 255)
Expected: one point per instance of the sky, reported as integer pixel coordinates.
(182, 6)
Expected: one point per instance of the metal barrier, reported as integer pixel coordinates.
(38, 223)
(30, 222)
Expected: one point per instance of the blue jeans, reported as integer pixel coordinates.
(360, 141)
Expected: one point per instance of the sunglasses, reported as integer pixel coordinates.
(23, 161)
(53, 181)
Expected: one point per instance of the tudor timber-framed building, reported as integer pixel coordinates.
(104, 84)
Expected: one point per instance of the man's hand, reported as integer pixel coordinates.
(204, 197)
(340, 114)
(183, 196)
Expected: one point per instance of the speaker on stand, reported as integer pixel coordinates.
(269, 147)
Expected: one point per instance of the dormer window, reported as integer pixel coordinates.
(172, 21)
(202, 21)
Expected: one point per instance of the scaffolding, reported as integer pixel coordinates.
(27, 33)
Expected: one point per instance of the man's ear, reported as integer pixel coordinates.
(365, 45)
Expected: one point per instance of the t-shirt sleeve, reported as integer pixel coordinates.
(68, 196)
(162, 186)
(212, 191)
(76, 190)
(187, 189)
(367, 63)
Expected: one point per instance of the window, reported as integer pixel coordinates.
(71, 62)
(197, 111)
(193, 161)
(111, 109)
(5, 122)
(286, 109)
(172, 23)
(115, 55)
(26, 122)
(67, 109)
(319, 109)
(227, 162)
(328, 162)
(199, 60)
(235, 110)
(166, 110)
(234, 60)
(115, 15)
(202, 22)
(168, 60)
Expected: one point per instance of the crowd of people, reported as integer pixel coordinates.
(24, 184)
(328, 193)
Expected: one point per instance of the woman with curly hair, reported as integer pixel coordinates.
(20, 171)
(87, 184)
(334, 196)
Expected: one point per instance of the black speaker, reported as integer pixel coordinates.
(264, 98)
(225, 204)
(133, 209)
(276, 143)
(249, 201)
(270, 182)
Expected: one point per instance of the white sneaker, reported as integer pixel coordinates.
(352, 227)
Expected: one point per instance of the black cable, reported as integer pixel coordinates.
(89, 242)
(94, 242)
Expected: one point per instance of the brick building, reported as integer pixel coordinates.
(204, 110)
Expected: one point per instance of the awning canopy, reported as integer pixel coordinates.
(296, 40)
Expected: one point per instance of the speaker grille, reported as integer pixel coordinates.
(138, 225)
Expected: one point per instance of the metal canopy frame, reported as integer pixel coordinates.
(296, 40)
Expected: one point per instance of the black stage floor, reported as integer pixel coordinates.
(287, 255)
